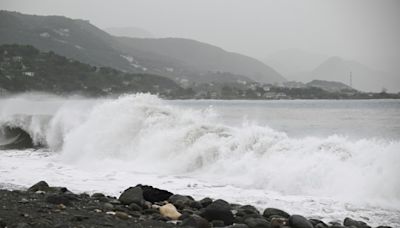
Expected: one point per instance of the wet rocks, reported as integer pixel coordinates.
(257, 223)
(132, 195)
(195, 221)
(274, 212)
(153, 195)
(219, 210)
(357, 224)
(298, 221)
(142, 206)
(39, 186)
(180, 201)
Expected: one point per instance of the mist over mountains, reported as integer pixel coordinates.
(178, 59)
(299, 65)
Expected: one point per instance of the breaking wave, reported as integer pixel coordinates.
(147, 134)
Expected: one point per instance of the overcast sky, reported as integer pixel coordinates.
(362, 30)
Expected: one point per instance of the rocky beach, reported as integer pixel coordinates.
(142, 206)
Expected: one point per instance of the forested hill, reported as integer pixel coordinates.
(25, 68)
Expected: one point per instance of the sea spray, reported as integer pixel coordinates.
(142, 133)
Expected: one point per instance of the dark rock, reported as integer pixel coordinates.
(59, 190)
(247, 216)
(39, 186)
(335, 223)
(279, 222)
(134, 207)
(205, 202)
(257, 223)
(132, 195)
(218, 210)
(321, 225)
(274, 211)
(317, 222)
(195, 221)
(248, 209)
(384, 227)
(217, 223)
(98, 195)
(298, 221)
(2, 223)
(79, 218)
(357, 224)
(180, 201)
(154, 194)
(195, 205)
(59, 199)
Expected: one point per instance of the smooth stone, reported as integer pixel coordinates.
(98, 195)
(195, 221)
(180, 201)
(274, 211)
(218, 210)
(134, 207)
(39, 186)
(357, 224)
(108, 206)
(132, 195)
(279, 222)
(170, 211)
(122, 215)
(298, 221)
(205, 202)
(248, 209)
(257, 223)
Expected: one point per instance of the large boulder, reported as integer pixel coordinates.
(357, 224)
(132, 195)
(39, 186)
(218, 210)
(154, 194)
(275, 212)
(298, 221)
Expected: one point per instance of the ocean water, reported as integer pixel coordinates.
(326, 159)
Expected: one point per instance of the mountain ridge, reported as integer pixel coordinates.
(78, 39)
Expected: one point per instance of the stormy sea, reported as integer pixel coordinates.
(327, 159)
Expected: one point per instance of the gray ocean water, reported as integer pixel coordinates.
(300, 118)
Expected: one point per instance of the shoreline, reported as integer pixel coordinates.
(141, 206)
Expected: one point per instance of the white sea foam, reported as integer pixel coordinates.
(142, 136)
